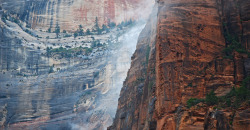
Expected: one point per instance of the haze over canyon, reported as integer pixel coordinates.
(124, 64)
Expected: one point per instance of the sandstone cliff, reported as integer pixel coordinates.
(191, 48)
(69, 14)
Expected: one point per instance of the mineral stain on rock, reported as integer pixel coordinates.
(190, 69)
(55, 79)
(198, 55)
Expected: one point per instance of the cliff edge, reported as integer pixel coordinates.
(190, 69)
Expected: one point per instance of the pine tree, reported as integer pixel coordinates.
(75, 34)
(96, 27)
(88, 32)
(105, 28)
(80, 30)
(111, 24)
(49, 30)
(57, 30)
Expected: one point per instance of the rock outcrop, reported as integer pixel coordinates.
(182, 55)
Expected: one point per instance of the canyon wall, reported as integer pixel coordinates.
(56, 91)
(69, 14)
(181, 55)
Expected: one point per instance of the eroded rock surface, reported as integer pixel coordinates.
(41, 91)
(69, 14)
(186, 60)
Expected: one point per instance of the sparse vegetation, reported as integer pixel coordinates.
(111, 24)
(88, 32)
(125, 24)
(96, 43)
(96, 27)
(88, 50)
(68, 52)
(79, 31)
(49, 30)
(57, 30)
(234, 99)
(233, 45)
(211, 99)
(67, 35)
(105, 28)
(75, 34)
(193, 101)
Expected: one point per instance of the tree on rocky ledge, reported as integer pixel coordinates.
(49, 30)
(75, 34)
(80, 30)
(96, 27)
(111, 24)
(57, 30)
(88, 32)
(105, 28)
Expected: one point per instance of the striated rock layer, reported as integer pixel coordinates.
(69, 14)
(44, 92)
(180, 56)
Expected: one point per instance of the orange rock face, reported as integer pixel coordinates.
(70, 14)
(186, 60)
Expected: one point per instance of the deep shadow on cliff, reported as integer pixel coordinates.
(195, 52)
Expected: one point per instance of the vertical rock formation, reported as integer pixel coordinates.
(180, 56)
(136, 102)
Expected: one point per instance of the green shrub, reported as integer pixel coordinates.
(193, 101)
(88, 32)
(211, 99)
(88, 50)
(234, 45)
(75, 34)
(246, 81)
(237, 95)
(242, 94)
(49, 30)
(233, 99)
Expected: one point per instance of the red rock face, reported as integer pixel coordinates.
(186, 61)
(109, 11)
(70, 14)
